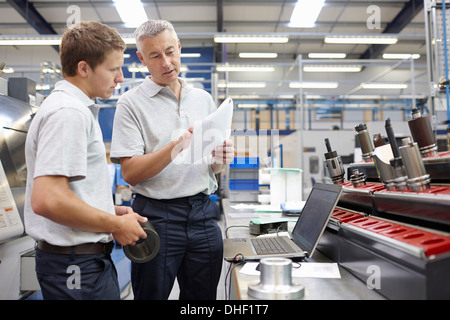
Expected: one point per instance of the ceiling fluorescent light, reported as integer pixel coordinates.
(247, 85)
(332, 68)
(360, 40)
(30, 42)
(305, 13)
(131, 12)
(286, 96)
(190, 55)
(199, 79)
(244, 96)
(250, 39)
(144, 69)
(257, 55)
(42, 87)
(7, 70)
(135, 68)
(384, 85)
(245, 68)
(326, 55)
(401, 56)
(251, 105)
(50, 71)
(314, 85)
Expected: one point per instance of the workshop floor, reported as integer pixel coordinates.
(127, 293)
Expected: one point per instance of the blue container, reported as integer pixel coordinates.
(244, 184)
(245, 162)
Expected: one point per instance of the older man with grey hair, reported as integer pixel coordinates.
(153, 124)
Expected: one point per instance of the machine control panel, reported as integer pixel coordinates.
(10, 222)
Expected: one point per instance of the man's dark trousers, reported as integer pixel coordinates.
(191, 249)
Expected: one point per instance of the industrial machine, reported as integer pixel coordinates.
(391, 227)
(17, 275)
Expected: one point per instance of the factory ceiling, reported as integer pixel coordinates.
(198, 22)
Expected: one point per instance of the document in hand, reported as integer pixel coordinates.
(208, 134)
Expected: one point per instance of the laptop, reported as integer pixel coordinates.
(304, 238)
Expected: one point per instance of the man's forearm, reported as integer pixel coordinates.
(53, 199)
(142, 167)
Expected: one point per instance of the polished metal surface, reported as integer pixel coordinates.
(15, 118)
(422, 133)
(276, 281)
(357, 178)
(364, 141)
(146, 249)
(418, 179)
(333, 163)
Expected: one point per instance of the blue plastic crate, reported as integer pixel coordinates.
(244, 184)
(245, 162)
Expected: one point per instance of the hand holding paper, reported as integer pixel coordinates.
(223, 154)
(210, 137)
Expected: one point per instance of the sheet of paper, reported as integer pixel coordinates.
(294, 205)
(257, 207)
(242, 214)
(209, 133)
(300, 270)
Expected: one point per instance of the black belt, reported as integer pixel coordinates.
(188, 199)
(85, 248)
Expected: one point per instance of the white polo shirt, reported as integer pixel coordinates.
(148, 117)
(65, 139)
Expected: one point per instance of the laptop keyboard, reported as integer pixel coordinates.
(271, 245)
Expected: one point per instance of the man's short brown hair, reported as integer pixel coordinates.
(88, 41)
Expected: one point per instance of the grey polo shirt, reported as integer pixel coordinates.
(65, 139)
(148, 117)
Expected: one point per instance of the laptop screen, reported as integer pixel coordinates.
(315, 215)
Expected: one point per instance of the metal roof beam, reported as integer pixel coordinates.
(219, 47)
(27, 10)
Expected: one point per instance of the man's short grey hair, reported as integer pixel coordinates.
(152, 28)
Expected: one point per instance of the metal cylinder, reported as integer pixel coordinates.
(418, 179)
(335, 169)
(146, 249)
(334, 164)
(399, 174)
(391, 138)
(422, 133)
(396, 163)
(381, 157)
(276, 281)
(379, 141)
(364, 141)
(448, 138)
(357, 178)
